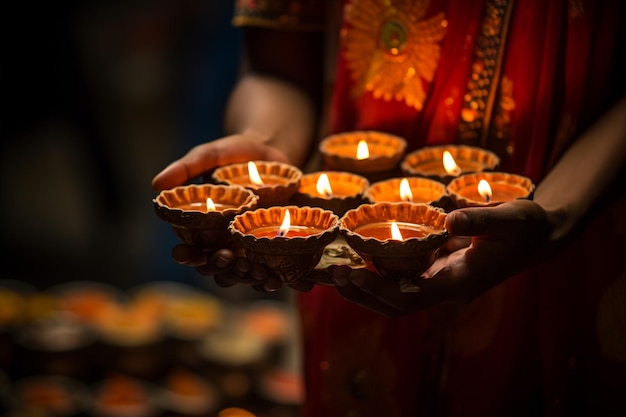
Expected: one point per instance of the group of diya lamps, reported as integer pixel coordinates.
(284, 219)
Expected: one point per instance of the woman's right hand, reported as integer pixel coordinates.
(225, 265)
(247, 146)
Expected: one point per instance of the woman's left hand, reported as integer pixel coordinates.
(487, 246)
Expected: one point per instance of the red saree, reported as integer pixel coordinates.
(522, 78)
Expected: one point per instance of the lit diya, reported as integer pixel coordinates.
(274, 182)
(289, 240)
(362, 151)
(399, 240)
(489, 189)
(200, 214)
(331, 190)
(411, 189)
(443, 163)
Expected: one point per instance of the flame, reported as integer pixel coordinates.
(284, 227)
(210, 206)
(405, 190)
(255, 178)
(362, 151)
(323, 186)
(395, 232)
(484, 189)
(450, 165)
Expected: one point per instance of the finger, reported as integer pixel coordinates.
(351, 292)
(388, 292)
(216, 262)
(205, 157)
(455, 243)
(226, 280)
(270, 285)
(189, 255)
(320, 276)
(453, 278)
(501, 220)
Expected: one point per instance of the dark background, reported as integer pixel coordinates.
(98, 96)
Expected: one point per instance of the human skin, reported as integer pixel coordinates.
(273, 114)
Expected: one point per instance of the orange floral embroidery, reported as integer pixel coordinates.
(391, 50)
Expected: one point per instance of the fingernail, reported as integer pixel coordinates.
(460, 222)
(222, 262)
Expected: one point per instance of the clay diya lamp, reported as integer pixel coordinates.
(398, 240)
(443, 163)
(369, 153)
(288, 240)
(331, 190)
(411, 189)
(274, 182)
(200, 214)
(489, 189)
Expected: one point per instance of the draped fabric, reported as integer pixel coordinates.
(523, 78)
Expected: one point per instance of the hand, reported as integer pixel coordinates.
(503, 240)
(203, 158)
(229, 268)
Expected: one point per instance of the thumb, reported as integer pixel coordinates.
(505, 219)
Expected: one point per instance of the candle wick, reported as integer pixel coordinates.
(488, 198)
(280, 233)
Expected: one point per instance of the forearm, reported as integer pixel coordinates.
(277, 112)
(584, 173)
(279, 96)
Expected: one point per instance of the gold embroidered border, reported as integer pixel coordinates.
(482, 86)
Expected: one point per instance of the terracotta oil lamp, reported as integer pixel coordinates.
(274, 182)
(443, 163)
(489, 189)
(399, 240)
(332, 190)
(289, 240)
(408, 189)
(363, 152)
(200, 214)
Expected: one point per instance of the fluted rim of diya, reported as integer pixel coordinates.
(516, 187)
(385, 149)
(244, 224)
(269, 193)
(168, 204)
(388, 191)
(469, 158)
(402, 212)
